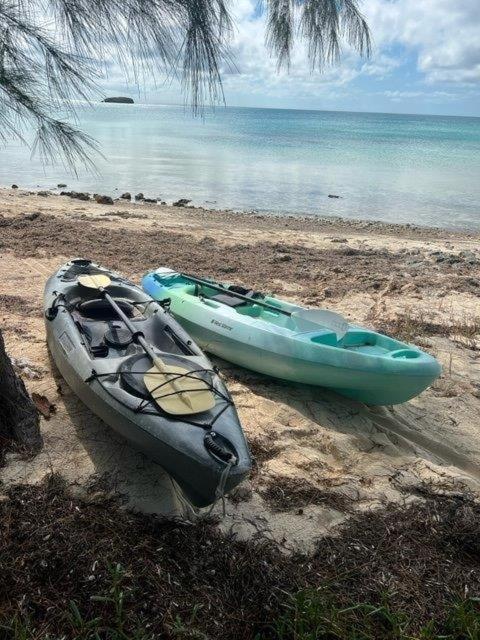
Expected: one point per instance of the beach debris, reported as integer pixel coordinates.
(283, 257)
(126, 196)
(469, 256)
(61, 185)
(453, 258)
(285, 493)
(332, 195)
(32, 216)
(338, 240)
(78, 195)
(14, 186)
(99, 199)
(43, 405)
(140, 196)
(26, 368)
(182, 202)
(126, 214)
(241, 493)
(228, 269)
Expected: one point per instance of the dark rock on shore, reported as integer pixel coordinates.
(182, 202)
(78, 195)
(151, 200)
(119, 100)
(126, 196)
(468, 257)
(140, 196)
(99, 199)
(14, 186)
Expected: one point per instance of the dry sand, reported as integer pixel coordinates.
(319, 456)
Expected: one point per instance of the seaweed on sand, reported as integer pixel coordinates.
(74, 569)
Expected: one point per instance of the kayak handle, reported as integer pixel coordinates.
(216, 448)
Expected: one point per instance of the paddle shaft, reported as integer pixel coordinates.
(130, 326)
(143, 343)
(158, 364)
(233, 294)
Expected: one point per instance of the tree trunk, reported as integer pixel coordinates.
(18, 415)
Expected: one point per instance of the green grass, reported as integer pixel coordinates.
(316, 615)
(309, 615)
(103, 627)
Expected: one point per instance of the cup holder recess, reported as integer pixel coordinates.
(405, 354)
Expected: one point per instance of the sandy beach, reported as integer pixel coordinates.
(319, 457)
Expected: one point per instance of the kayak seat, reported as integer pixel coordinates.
(100, 309)
(94, 335)
(231, 300)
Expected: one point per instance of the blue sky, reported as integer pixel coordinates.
(426, 59)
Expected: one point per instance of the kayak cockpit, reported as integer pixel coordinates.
(105, 335)
(100, 309)
(362, 341)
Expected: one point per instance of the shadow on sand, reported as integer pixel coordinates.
(406, 429)
(117, 466)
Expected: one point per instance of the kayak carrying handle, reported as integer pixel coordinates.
(216, 448)
(52, 311)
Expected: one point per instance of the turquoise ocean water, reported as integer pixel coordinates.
(397, 168)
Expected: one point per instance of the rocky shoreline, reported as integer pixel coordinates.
(303, 221)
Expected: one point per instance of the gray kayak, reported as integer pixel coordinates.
(205, 453)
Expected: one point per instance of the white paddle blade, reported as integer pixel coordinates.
(165, 271)
(97, 281)
(178, 395)
(306, 319)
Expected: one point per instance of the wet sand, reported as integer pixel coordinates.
(319, 456)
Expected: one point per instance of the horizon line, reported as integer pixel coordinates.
(234, 106)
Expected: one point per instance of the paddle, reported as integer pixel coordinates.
(174, 394)
(304, 318)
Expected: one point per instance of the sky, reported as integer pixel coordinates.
(426, 60)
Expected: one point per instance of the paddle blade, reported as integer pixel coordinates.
(306, 319)
(178, 395)
(97, 281)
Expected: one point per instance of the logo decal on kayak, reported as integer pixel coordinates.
(222, 325)
(66, 343)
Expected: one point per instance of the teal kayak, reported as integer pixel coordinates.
(290, 342)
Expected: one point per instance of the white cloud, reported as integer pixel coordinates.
(256, 68)
(444, 34)
(398, 96)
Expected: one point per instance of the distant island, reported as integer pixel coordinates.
(119, 99)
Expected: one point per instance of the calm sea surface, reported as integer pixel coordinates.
(396, 168)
